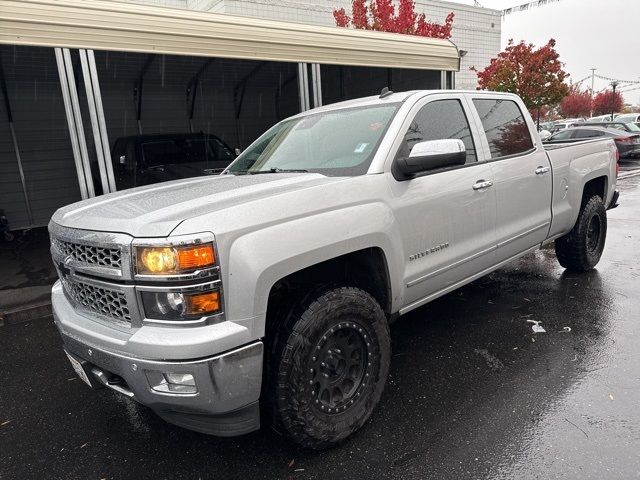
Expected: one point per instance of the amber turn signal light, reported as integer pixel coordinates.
(202, 303)
(193, 257)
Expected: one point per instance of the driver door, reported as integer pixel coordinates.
(447, 217)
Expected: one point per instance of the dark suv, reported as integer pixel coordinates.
(146, 159)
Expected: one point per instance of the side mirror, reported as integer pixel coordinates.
(431, 154)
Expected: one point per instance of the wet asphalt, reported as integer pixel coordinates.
(473, 392)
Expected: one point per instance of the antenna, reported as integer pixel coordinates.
(385, 92)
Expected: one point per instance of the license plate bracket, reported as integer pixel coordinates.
(79, 366)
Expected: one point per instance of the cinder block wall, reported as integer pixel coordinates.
(476, 30)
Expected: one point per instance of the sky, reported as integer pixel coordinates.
(604, 34)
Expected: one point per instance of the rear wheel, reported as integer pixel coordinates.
(329, 366)
(580, 250)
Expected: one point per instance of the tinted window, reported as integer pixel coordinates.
(563, 135)
(507, 132)
(588, 133)
(440, 120)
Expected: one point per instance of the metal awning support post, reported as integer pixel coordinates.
(316, 82)
(14, 139)
(73, 126)
(303, 87)
(75, 106)
(93, 116)
(101, 120)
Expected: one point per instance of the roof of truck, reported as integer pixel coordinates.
(395, 97)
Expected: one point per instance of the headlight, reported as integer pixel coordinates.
(174, 306)
(174, 260)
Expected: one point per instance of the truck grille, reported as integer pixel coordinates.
(103, 301)
(90, 255)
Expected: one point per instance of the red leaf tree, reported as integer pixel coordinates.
(534, 74)
(381, 15)
(576, 104)
(605, 102)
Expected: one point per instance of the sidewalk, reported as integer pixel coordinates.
(26, 277)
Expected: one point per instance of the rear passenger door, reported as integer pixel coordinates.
(522, 176)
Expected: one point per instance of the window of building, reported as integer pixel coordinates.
(439, 120)
(506, 129)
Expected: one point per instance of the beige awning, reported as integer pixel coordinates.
(102, 25)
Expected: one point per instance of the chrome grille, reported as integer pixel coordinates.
(103, 301)
(89, 254)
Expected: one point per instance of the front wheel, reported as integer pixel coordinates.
(580, 250)
(329, 366)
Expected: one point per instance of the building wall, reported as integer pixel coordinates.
(475, 30)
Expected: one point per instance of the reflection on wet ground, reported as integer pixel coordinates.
(473, 391)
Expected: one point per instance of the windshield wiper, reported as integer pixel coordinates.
(271, 170)
(287, 170)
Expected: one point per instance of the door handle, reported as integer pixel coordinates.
(482, 184)
(542, 170)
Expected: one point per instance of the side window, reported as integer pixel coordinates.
(589, 133)
(563, 135)
(439, 120)
(505, 127)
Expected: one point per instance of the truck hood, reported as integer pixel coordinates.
(156, 210)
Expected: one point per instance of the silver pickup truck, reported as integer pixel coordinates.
(267, 291)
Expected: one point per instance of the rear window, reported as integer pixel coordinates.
(506, 129)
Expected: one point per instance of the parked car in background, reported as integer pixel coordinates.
(625, 127)
(628, 144)
(598, 119)
(146, 159)
(628, 118)
(545, 126)
(544, 134)
(558, 126)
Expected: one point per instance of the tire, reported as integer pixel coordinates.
(328, 366)
(580, 250)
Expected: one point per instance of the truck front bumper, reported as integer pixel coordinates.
(227, 385)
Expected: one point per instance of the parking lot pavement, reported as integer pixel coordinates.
(473, 392)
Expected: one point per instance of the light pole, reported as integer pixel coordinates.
(614, 84)
(593, 77)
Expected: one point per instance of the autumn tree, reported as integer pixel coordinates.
(381, 15)
(605, 102)
(536, 75)
(577, 103)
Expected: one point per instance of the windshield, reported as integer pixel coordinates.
(335, 143)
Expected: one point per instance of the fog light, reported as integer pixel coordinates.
(169, 382)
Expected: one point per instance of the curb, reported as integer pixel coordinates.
(25, 314)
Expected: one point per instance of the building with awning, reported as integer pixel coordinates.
(89, 88)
